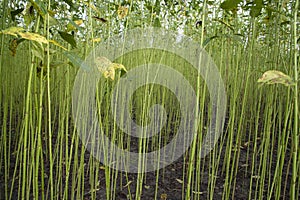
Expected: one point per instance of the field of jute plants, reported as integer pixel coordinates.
(124, 99)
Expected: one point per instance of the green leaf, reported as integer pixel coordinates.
(52, 20)
(230, 4)
(224, 23)
(73, 25)
(68, 38)
(284, 23)
(71, 4)
(29, 14)
(256, 9)
(14, 13)
(57, 64)
(235, 37)
(157, 22)
(208, 40)
(76, 60)
(276, 77)
(211, 3)
(39, 6)
(157, 7)
(38, 50)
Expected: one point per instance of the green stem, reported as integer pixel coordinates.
(295, 134)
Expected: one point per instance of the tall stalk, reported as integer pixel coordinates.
(295, 134)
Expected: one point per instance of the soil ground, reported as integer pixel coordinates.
(170, 178)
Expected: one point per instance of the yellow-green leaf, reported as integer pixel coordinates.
(107, 68)
(57, 44)
(163, 196)
(12, 31)
(274, 76)
(122, 12)
(92, 7)
(33, 36)
(102, 63)
(96, 40)
(74, 25)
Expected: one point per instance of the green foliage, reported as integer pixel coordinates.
(68, 38)
(230, 4)
(75, 60)
(16, 12)
(41, 157)
(256, 8)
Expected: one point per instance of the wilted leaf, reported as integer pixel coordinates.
(198, 23)
(107, 68)
(147, 187)
(179, 180)
(129, 182)
(78, 22)
(101, 19)
(15, 31)
(41, 71)
(195, 192)
(57, 44)
(102, 167)
(163, 196)
(274, 76)
(14, 44)
(109, 73)
(33, 36)
(92, 7)
(122, 12)
(12, 31)
(96, 40)
(102, 63)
